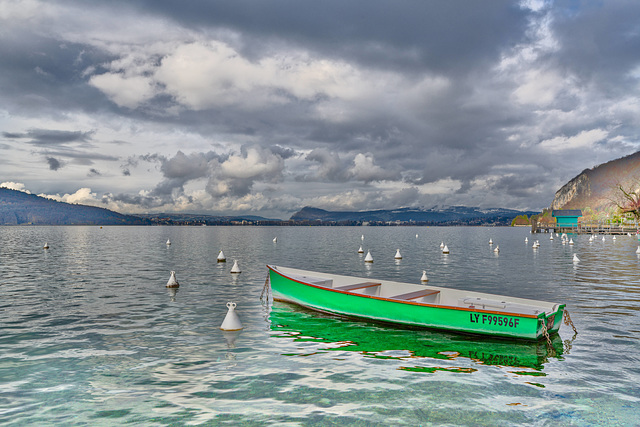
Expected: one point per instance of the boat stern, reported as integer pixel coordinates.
(552, 320)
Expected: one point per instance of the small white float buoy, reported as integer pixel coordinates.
(614, 237)
(417, 235)
(173, 282)
(591, 238)
(526, 240)
(398, 256)
(168, 242)
(497, 249)
(441, 245)
(490, 242)
(575, 258)
(275, 240)
(231, 321)
(424, 277)
(362, 237)
(551, 237)
(445, 250)
(235, 269)
(221, 257)
(571, 241)
(368, 258)
(638, 250)
(603, 238)
(46, 246)
(360, 251)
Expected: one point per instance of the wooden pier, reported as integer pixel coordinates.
(586, 228)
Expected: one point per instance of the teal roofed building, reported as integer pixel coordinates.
(566, 217)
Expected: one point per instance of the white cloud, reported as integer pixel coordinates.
(84, 196)
(253, 163)
(125, 91)
(202, 75)
(208, 74)
(14, 186)
(584, 140)
(365, 169)
(540, 88)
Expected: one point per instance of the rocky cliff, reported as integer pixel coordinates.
(18, 208)
(596, 188)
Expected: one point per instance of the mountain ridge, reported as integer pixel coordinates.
(452, 215)
(20, 208)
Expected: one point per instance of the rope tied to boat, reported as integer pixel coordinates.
(552, 351)
(266, 291)
(569, 322)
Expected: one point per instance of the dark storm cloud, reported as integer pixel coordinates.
(44, 75)
(80, 156)
(600, 41)
(389, 34)
(54, 164)
(283, 152)
(147, 202)
(50, 137)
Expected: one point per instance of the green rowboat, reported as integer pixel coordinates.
(415, 305)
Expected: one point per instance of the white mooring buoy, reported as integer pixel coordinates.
(231, 321)
(445, 250)
(362, 237)
(360, 251)
(575, 258)
(441, 245)
(571, 241)
(168, 242)
(221, 257)
(398, 256)
(424, 277)
(368, 258)
(173, 282)
(46, 246)
(490, 242)
(275, 240)
(638, 250)
(235, 269)
(497, 249)
(526, 239)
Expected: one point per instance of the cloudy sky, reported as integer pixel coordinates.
(263, 107)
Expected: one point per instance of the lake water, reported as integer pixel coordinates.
(90, 335)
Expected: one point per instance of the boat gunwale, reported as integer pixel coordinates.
(540, 316)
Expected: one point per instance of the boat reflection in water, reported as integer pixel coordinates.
(388, 342)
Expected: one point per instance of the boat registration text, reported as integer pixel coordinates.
(494, 320)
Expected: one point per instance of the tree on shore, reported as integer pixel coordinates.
(627, 199)
(544, 217)
(520, 220)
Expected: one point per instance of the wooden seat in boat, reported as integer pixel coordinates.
(355, 286)
(415, 295)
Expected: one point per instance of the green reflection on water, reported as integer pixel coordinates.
(390, 342)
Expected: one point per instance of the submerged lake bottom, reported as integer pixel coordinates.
(91, 335)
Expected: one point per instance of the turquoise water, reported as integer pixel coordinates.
(91, 336)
